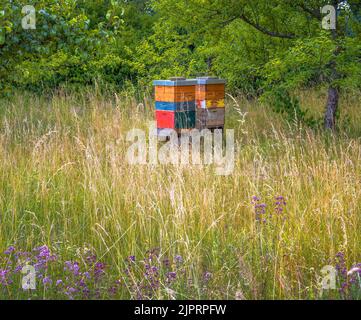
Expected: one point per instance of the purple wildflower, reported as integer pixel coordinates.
(18, 268)
(91, 259)
(280, 205)
(178, 259)
(260, 209)
(47, 281)
(70, 291)
(112, 291)
(44, 251)
(99, 270)
(341, 265)
(155, 269)
(86, 293)
(166, 263)
(73, 267)
(171, 277)
(342, 272)
(354, 279)
(41, 265)
(207, 276)
(81, 283)
(151, 275)
(4, 277)
(9, 250)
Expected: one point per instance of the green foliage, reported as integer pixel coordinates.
(289, 107)
(74, 42)
(304, 64)
(167, 52)
(259, 47)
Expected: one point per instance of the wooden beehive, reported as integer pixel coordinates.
(210, 92)
(210, 101)
(175, 103)
(175, 93)
(210, 118)
(176, 120)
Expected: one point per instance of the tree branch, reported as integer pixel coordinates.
(266, 31)
(314, 13)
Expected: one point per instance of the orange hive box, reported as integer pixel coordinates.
(210, 93)
(175, 90)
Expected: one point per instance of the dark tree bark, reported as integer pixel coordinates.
(333, 91)
(331, 108)
(209, 63)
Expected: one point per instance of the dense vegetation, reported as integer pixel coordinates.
(96, 227)
(263, 48)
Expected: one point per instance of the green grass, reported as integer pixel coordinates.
(65, 183)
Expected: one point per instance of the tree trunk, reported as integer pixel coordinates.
(333, 91)
(209, 64)
(331, 108)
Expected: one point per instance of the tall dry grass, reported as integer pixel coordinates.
(64, 182)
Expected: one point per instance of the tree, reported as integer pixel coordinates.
(75, 42)
(304, 53)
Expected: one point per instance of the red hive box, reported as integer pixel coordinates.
(165, 119)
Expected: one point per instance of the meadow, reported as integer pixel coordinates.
(96, 227)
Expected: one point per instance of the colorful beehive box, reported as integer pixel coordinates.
(175, 103)
(210, 92)
(210, 101)
(176, 120)
(213, 118)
